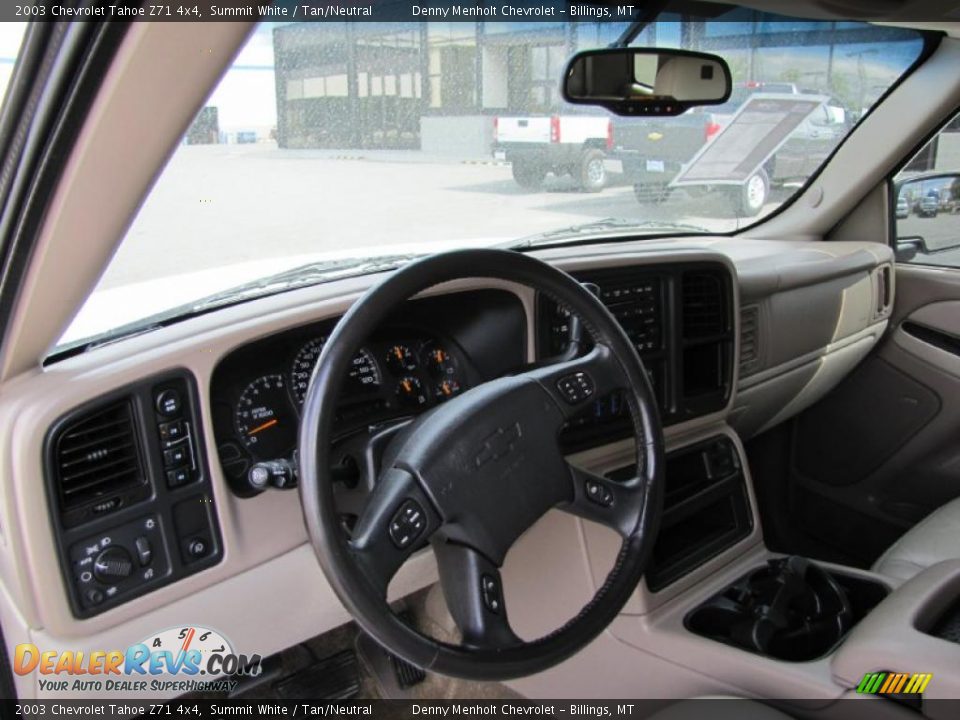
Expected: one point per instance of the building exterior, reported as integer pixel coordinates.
(436, 86)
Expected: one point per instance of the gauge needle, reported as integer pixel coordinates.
(399, 353)
(258, 428)
(407, 385)
(187, 639)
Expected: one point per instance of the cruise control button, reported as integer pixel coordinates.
(599, 493)
(575, 388)
(490, 590)
(407, 524)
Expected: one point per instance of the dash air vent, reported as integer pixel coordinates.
(703, 308)
(749, 340)
(97, 457)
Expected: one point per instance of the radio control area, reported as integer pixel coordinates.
(129, 485)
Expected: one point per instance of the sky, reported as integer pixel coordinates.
(10, 36)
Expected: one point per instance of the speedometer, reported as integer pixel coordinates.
(364, 374)
(264, 420)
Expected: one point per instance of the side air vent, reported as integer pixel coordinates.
(702, 309)
(749, 340)
(97, 457)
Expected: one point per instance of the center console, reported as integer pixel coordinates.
(706, 509)
(789, 609)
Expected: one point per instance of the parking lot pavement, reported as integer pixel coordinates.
(221, 204)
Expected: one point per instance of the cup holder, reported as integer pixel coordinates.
(790, 609)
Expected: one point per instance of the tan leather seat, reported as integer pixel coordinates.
(932, 540)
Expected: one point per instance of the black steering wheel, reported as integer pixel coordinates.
(470, 476)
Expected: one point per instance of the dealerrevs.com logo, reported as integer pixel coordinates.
(179, 659)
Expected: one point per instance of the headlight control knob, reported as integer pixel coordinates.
(112, 564)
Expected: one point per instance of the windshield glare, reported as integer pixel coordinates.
(344, 141)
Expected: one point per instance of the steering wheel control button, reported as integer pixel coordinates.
(407, 524)
(599, 493)
(490, 589)
(575, 388)
(168, 403)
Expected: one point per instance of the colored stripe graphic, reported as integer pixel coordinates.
(884, 683)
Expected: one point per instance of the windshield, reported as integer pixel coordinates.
(331, 144)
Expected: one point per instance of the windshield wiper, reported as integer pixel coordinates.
(300, 276)
(602, 228)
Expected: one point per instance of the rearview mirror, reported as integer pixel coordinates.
(646, 81)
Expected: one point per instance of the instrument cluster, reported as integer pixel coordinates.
(257, 411)
(427, 352)
(396, 377)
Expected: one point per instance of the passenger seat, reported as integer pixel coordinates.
(934, 539)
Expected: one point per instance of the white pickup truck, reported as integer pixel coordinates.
(562, 144)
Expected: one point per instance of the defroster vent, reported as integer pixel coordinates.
(97, 458)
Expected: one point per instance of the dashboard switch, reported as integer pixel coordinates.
(175, 456)
(168, 403)
(575, 388)
(172, 431)
(198, 548)
(178, 477)
(407, 524)
(144, 550)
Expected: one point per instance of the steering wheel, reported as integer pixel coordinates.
(471, 475)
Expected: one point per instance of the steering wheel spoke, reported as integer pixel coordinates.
(576, 384)
(473, 590)
(398, 521)
(616, 504)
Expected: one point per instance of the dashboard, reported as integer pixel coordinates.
(695, 310)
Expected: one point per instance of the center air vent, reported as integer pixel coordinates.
(749, 340)
(97, 458)
(703, 307)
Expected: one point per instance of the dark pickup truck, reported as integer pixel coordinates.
(653, 151)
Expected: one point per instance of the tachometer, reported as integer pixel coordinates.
(364, 374)
(264, 420)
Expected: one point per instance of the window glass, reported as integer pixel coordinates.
(340, 143)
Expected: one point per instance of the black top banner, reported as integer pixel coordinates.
(323, 11)
(283, 11)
